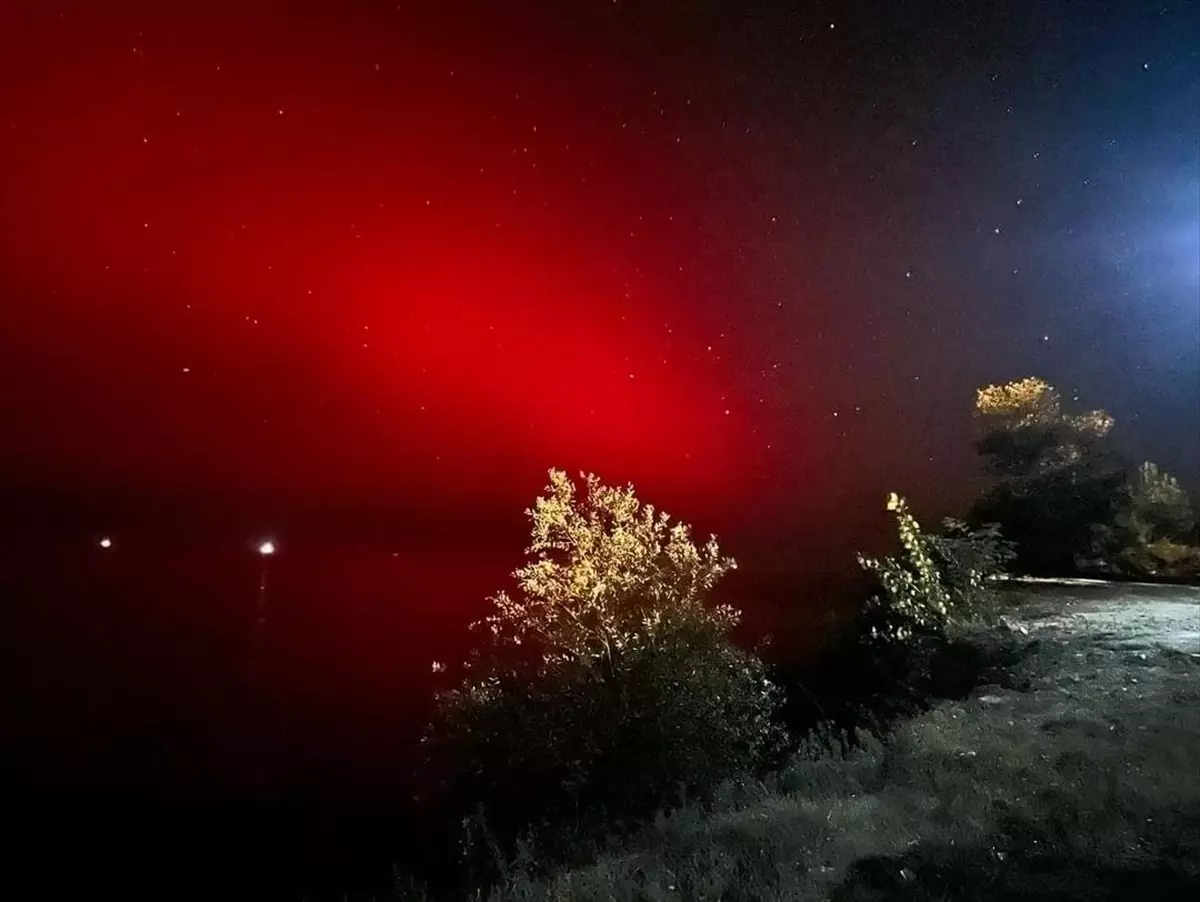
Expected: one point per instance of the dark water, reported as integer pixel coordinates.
(147, 736)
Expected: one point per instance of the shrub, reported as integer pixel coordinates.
(1148, 531)
(1156, 505)
(605, 687)
(907, 633)
(915, 599)
(969, 562)
(1162, 558)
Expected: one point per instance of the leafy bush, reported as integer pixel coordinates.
(1161, 558)
(1156, 505)
(907, 633)
(899, 630)
(1148, 531)
(915, 599)
(606, 687)
(969, 562)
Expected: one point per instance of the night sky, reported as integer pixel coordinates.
(388, 262)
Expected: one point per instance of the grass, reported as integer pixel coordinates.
(1073, 775)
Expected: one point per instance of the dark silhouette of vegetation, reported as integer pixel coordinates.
(606, 694)
(1067, 499)
(1148, 531)
(1053, 475)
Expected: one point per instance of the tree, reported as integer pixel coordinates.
(607, 572)
(1053, 475)
(606, 684)
(1148, 532)
(1027, 437)
(1155, 506)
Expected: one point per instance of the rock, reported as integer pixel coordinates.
(1013, 626)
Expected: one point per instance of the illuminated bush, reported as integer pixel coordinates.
(605, 686)
(1151, 527)
(914, 598)
(940, 581)
(913, 635)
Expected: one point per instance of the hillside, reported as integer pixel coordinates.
(1071, 773)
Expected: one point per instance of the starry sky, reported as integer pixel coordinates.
(380, 262)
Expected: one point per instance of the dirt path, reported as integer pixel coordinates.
(1133, 617)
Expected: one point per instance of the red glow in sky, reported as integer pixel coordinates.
(318, 267)
(412, 255)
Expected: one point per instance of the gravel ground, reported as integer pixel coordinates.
(1135, 616)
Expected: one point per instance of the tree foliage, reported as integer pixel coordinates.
(605, 685)
(970, 561)
(1053, 475)
(938, 584)
(608, 574)
(940, 581)
(1066, 498)
(1155, 506)
(1026, 434)
(915, 600)
(1149, 529)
